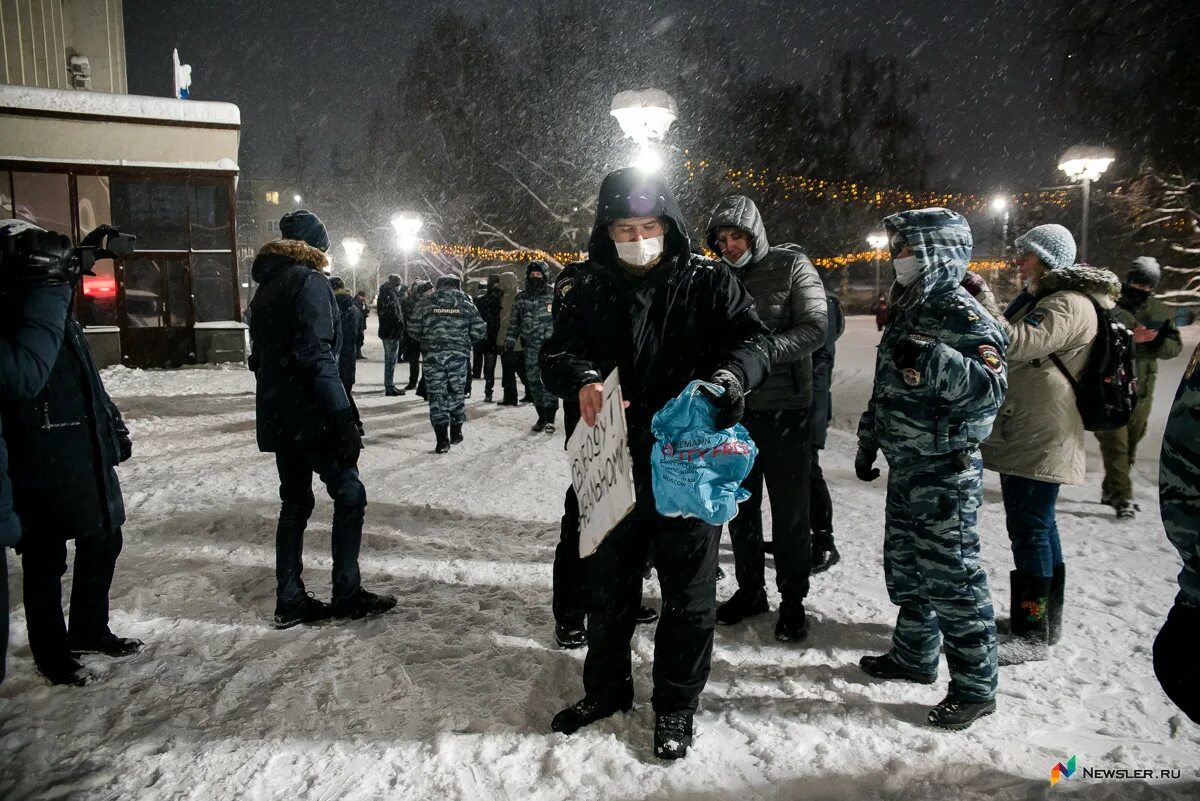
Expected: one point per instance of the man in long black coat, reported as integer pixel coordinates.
(388, 305)
(645, 304)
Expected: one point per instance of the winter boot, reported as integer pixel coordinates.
(672, 735)
(825, 558)
(1030, 621)
(540, 425)
(1126, 510)
(66, 672)
(456, 436)
(570, 636)
(792, 625)
(487, 397)
(1057, 589)
(442, 432)
(307, 610)
(106, 644)
(884, 667)
(392, 392)
(362, 604)
(741, 606)
(646, 615)
(588, 710)
(551, 413)
(956, 715)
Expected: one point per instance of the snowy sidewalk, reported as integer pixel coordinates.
(451, 696)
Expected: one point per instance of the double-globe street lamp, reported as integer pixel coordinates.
(645, 115)
(1085, 163)
(354, 249)
(407, 226)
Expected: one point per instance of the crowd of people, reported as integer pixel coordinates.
(959, 387)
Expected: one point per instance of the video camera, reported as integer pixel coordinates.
(32, 256)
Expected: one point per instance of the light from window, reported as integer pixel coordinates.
(273, 198)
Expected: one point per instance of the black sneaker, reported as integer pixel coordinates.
(526, 399)
(955, 715)
(824, 559)
(884, 667)
(107, 644)
(1126, 510)
(66, 672)
(741, 606)
(362, 604)
(487, 398)
(587, 711)
(308, 610)
(507, 402)
(570, 637)
(792, 625)
(392, 392)
(646, 615)
(672, 735)
(456, 436)
(549, 428)
(538, 427)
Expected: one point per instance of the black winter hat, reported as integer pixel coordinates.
(305, 226)
(336, 283)
(537, 267)
(1144, 270)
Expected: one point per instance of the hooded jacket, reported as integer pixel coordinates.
(447, 323)
(945, 400)
(788, 296)
(1039, 433)
(685, 319)
(1152, 313)
(350, 319)
(390, 311)
(295, 336)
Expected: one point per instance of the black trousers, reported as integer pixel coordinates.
(820, 509)
(568, 591)
(412, 355)
(44, 563)
(489, 373)
(512, 364)
(686, 563)
(784, 456)
(477, 354)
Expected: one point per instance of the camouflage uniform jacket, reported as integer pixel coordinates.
(940, 374)
(447, 322)
(1179, 479)
(532, 320)
(1154, 314)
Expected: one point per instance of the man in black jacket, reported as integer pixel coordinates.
(790, 299)
(646, 305)
(391, 330)
(489, 304)
(306, 419)
(63, 443)
(820, 511)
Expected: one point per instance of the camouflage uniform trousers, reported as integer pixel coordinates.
(445, 381)
(533, 379)
(1119, 449)
(931, 565)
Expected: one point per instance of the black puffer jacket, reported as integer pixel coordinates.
(790, 299)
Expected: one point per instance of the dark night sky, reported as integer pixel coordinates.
(320, 65)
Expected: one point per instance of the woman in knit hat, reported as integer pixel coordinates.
(1038, 439)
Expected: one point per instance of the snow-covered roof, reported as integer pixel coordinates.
(103, 104)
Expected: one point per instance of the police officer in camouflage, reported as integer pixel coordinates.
(1175, 662)
(939, 380)
(531, 324)
(447, 325)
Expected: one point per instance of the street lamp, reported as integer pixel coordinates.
(878, 242)
(407, 226)
(1085, 163)
(354, 249)
(645, 115)
(298, 200)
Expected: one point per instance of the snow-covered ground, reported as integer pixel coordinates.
(451, 696)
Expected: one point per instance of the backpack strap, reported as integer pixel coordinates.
(1059, 362)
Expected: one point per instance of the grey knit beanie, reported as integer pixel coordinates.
(1144, 270)
(1051, 243)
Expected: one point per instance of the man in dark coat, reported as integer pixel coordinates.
(305, 418)
(790, 299)
(645, 304)
(489, 309)
(350, 320)
(820, 509)
(364, 310)
(389, 307)
(29, 345)
(63, 443)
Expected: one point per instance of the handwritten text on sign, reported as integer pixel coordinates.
(601, 469)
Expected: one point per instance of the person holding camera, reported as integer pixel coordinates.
(306, 419)
(64, 442)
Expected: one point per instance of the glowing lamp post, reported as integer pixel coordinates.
(353, 249)
(1085, 163)
(645, 115)
(407, 226)
(877, 242)
(1000, 207)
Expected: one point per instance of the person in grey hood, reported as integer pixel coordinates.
(790, 299)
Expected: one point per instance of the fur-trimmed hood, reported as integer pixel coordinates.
(282, 251)
(1094, 281)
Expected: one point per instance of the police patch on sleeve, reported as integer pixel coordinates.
(564, 287)
(1035, 317)
(912, 377)
(991, 358)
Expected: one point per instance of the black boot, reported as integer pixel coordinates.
(1030, 621)
(1057, 588)
(955, 715)
(105, 644)
(646, 615)
(570, 636)
(741, 606)
(308, 610)
(362, 604)
(551, 413)
(884, 667)
(442, 432)
(824, 557)
(540, 425)
(456, 436)
(672, 735)
(792, 625)
(65, 671)
(588, 710)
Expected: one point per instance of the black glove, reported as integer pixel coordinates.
(125, 447)
(910, 349)
(40, 258)
(731, 404)
(509, 347)
(863, 464)
(344, 437)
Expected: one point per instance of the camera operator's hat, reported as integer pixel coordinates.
(305, 226)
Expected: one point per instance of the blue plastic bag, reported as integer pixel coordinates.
(698, 469)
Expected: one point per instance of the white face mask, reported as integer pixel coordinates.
(641, 252)
(908, 269)
(742, 261)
